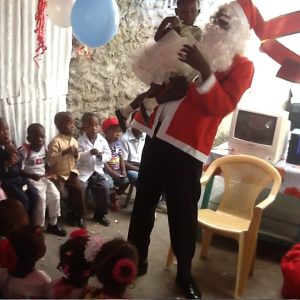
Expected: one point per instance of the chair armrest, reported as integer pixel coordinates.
(265, 203)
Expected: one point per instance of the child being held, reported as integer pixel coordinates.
(25, 281)
(75, 266)
(94, 153)
(158, 65)
(115, 169)
(33, 156)
(62, 156)
(115, 267)
(14, 183)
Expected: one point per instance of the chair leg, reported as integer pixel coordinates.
(245, 260)
(170, 258)
(206, 241)
(128, 197)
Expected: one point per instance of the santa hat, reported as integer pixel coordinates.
(268, 31)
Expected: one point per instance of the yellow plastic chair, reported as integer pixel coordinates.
(238, 215)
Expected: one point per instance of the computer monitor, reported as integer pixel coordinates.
(258, 133)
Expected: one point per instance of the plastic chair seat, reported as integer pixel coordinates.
(222, 221)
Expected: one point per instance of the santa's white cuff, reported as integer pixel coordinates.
(207, 85)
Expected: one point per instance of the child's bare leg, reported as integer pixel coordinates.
(174, 90)
(124, 112)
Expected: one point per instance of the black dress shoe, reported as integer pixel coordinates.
(102, 220)
(190, 289)
(122, 120)
(56, 229)
(142, 268)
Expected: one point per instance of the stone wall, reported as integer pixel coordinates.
(103, 81)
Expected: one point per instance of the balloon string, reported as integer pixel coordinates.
(40, 30)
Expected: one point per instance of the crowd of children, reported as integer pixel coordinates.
(39, 176)
(113, 262)
(34, 179)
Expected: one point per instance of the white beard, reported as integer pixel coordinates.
(219, 47)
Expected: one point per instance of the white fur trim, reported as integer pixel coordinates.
(240, 13)
(207, 85)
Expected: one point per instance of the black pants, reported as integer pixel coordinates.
(166, 169)
(27, 196)
(99, 188)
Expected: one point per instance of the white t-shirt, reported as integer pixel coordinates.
(34, 285)
(132, 147)
(33, 162)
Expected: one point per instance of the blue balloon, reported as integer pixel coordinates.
(95, 22)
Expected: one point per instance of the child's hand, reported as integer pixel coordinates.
(14, 158)
(123, 174)
(94, 151)
(172, 22)
(75, 151)
(10, 148)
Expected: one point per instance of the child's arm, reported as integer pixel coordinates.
(165, 26)
(122, 165)
(110, 171)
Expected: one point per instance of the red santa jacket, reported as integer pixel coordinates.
(191, 123)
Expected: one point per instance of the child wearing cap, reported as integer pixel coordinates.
(114, 169)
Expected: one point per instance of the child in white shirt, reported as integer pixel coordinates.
(33, 156)
(94, 153)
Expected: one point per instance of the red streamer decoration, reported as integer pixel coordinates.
(40, 30)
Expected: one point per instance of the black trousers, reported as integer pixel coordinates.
(166, 169)
(99, 188)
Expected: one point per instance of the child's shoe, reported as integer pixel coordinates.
(56, 229)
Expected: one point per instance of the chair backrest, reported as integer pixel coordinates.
(244, 179)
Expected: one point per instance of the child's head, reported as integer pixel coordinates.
(187, 11)
(64, 123)
(12, 216)
(72, 258)
(90, 124)
(115, 265)
(36, 136)
(4, 132)
(29, 245)
(111, 129)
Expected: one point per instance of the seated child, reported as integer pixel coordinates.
(75, 266)
(25, 281)
(12, 216)
(115, 267)
(14, 183)
(33, 156)
(132, 142)
(61, 158)
(94, 152)
(158, 65)
(115, 169)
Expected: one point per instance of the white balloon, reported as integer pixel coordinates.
(59, 12)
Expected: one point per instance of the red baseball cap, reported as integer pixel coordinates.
(112, 121)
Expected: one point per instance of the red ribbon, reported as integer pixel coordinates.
(272, 29)
(40, 30)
